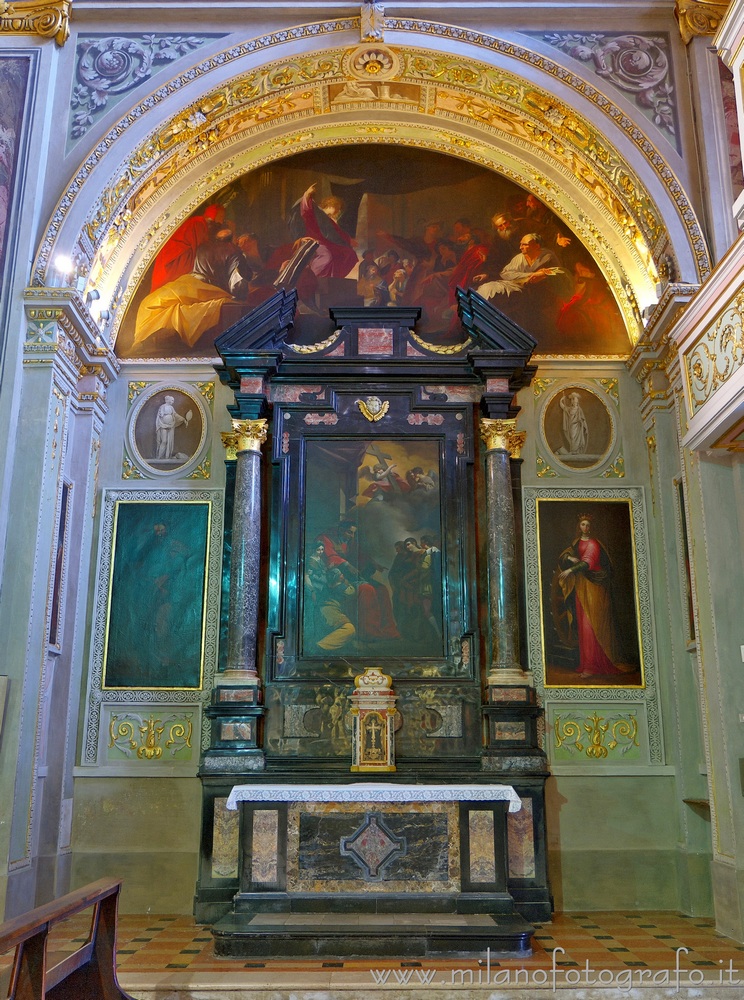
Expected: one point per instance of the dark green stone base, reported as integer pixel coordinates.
(363, 935)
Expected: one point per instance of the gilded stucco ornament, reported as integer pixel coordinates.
(502, 435)
(699, 17)
(716, 356)
(149, 169)
(372, 62)
(246, 435)
(147, 737)
(595, 736)
(50, 20)
(373, 408)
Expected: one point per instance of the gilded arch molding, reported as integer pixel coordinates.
(433, 99)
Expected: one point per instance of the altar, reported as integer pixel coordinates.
(374, 781)
(373, 869)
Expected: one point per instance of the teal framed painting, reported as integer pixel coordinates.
(157, 595)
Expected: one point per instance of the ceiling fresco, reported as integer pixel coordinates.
(372, 225)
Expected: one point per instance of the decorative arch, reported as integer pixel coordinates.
(475, 97)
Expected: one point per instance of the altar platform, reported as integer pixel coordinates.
(169, 955)
(370, 869)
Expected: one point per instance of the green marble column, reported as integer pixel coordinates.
(502, 442)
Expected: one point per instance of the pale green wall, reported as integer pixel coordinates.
(612, 842)
(144, 830)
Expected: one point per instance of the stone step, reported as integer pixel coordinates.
(358, 935)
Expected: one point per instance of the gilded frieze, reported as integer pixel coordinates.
(716, 356)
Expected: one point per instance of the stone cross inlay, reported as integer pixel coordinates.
(373, 846)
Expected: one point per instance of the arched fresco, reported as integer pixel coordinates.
(372, 225)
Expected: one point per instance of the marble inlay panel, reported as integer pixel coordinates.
(521, 841)
(509, 730)
(373, 340)
(430, 829)
(265, 846)
(224, 841)
(238, 731)
(506, 694)
(482, 857)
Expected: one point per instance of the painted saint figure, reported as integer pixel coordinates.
(166, 421)
(575, 427)
(335, 255)
(328, 590)
(585, 581)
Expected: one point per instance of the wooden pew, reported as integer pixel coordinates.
(88, 973)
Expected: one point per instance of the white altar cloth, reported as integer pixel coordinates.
(377, 791)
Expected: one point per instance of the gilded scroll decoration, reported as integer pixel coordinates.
(540, 385)
(50, 20)
(544, 470)
(616, 470)
(596, 736)
(148, 737)
(716, 356)
(134, 389)
(699, 17)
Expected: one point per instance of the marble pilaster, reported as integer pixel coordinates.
(502, 442)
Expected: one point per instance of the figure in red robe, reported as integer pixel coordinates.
(178, 254)
(586, 573)
(335, 256)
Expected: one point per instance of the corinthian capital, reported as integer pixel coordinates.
(502, 435)
(246, 435)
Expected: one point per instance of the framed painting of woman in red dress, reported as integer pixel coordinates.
(589, 594)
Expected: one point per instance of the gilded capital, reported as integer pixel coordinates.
(246, 435)
(502, 435)
(36, 17)
(699, 17)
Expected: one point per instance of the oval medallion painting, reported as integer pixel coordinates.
(371, 226)
(167, 430)
(578, 428)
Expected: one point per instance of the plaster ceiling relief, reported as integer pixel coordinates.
(108, 67)
(633, 64)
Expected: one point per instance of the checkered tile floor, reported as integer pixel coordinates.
(638, 948)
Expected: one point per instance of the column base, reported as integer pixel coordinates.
(499, 677)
